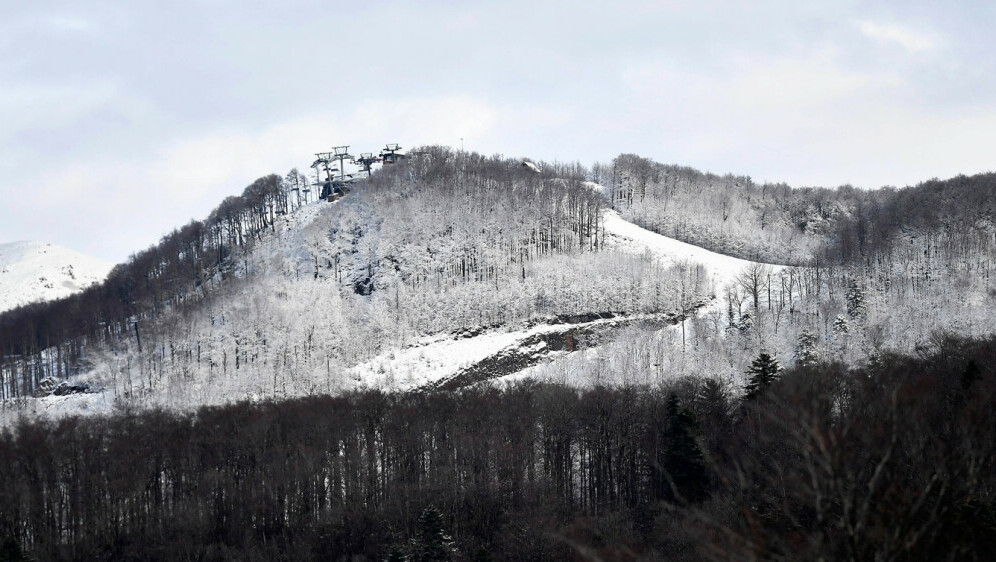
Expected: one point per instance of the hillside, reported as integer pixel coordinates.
(777, 223)
(32, 272)
(465, 343)
(383, 288)
(453, 268)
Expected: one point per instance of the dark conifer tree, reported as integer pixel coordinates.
(431, 543)
(396, 555)
(971, 374)
(763, 371)
(683, 458)
(713, 413)
(10, 550)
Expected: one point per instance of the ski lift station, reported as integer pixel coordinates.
(336, 185)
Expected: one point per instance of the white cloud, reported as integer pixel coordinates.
(140, 200)
(27, 106)
(107, 120)
(192, 166)
(911, 40)
(71, 23)
(754, 98)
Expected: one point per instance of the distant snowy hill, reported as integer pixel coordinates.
(34, 271)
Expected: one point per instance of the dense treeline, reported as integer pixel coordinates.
(445, 217)
(449, 242)
(891, 461)
(48, 339)
(443, 241)
(449, 217)
(777, 224)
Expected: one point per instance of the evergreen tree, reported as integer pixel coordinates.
(683, 458)
(746, 323)
(971, 374)
(397, 554)
(431, 543)
(713, 412)
(763, 371)
(840, 327)
(855, 297)
(805, 351)
(840, 332)
(11, 550)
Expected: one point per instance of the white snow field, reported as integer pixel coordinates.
(628, 237)
(57, 407)
(33, 271)
(625, 236)
(438, 358)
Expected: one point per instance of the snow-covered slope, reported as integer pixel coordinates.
(628, 237)
(440, 358)
(33, 271)
(285, 301)
(625, 236)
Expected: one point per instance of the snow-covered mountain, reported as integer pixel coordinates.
(408, 283)
(35, 271)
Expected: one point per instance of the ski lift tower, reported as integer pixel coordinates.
(365, 161)
(390, 153)
(323, 161)
(341, 152)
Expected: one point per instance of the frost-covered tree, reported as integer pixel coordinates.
(840, 327)
(855, 298)
(806, 352)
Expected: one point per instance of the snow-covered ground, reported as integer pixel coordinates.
(33, 271)
(434, 360)
(628, 237)
(438, 358)
(56, 407)
(625, 236)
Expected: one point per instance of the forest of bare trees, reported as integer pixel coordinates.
(48, 339)
(893, 461)
(876, 443)
(447, 240)
(775, 223)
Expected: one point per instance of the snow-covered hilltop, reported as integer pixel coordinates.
(34, 271)
(453, 269)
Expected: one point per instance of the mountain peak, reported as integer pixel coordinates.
(33, 271)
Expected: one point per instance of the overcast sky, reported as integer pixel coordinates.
(122, 120)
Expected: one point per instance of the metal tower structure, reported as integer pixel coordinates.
(390, 153)
(342, 153)
(365, 161)
(323, 161)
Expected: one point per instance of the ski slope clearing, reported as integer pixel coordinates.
(621, 235)
(456, 360)
(625, 236)
(33, 271)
